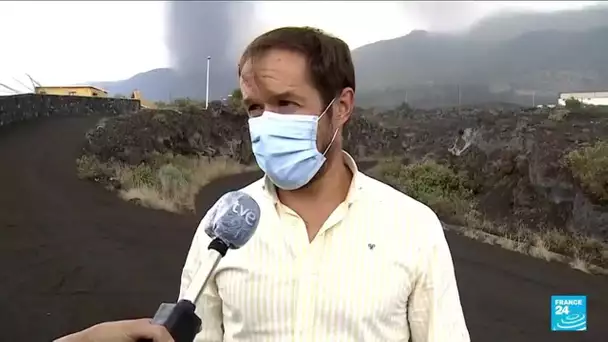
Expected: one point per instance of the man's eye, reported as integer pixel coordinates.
(285, 103)
(255, 110)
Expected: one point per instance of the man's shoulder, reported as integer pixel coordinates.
(406, 214)
(405, 220)
(255, 188)
(380, 192)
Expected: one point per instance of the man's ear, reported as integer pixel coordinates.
(344, 106)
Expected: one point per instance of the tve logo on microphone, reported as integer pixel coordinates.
(247, 213)
(568, 313)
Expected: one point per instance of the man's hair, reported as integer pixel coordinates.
(330, 66)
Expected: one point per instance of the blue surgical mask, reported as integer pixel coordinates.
(285, 147)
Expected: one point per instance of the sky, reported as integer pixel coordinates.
(71, 42)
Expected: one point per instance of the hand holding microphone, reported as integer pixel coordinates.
(230, 223)
(120, 331)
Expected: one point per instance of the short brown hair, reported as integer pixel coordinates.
(330, 65)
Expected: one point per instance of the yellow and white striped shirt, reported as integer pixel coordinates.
(378, 270)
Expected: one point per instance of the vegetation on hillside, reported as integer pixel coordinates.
(432, 184)
(446, 192)
(500, 185)
(168, 182)
(589, 165)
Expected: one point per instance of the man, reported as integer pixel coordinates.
(338, 256)
(121, 331)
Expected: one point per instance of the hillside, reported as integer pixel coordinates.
(546, 62)
(511, 24)
(502, 58)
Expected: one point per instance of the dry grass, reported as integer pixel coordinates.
(544, 243)
(168, 182)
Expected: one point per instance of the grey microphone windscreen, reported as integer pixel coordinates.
(233, 219)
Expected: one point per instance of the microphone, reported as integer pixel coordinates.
(230, 223)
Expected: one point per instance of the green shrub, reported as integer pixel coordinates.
(166, 181)
(173, 180)
(90, 167)
(589, 165)
(558, 114)
(139, 176)
(433, 184)
(573, 103)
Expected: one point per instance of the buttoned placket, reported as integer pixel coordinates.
(308, 259)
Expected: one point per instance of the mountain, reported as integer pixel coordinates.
(508, 25)
(166, 84)
(435, 66)
(157, 84)
(524, 58)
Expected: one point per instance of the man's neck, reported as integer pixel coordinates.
(330, 188)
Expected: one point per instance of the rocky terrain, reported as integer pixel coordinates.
(219, 131)
(514, 162)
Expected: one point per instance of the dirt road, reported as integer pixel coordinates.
(73, 254)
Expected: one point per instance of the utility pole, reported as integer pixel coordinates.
(533, 99)
(459, 99)
(207, 87)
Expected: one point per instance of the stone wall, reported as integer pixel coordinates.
(24, 107)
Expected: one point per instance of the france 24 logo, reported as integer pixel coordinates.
(568, 313)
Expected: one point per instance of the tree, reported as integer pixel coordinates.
(237, 95)
(573, 103)
(235, 102)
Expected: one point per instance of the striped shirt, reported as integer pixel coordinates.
(378, 270)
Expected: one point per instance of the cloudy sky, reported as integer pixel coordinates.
(73, 42)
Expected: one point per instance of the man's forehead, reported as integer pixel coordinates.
(275, 64)
(261, 78)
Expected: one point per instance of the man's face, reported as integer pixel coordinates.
(278, 81)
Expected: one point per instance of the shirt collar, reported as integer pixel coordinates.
(353, 192)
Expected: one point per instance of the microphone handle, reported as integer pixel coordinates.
(179, 319)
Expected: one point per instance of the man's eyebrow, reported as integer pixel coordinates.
(275, 97)
(287, 95)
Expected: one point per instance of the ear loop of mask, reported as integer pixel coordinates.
(335, 133)
(331, 142)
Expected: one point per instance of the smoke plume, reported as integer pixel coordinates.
(217, 29)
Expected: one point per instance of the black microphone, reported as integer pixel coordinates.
(231, 222)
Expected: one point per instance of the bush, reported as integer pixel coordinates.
(558, 114)
(589, 165)
(137, 176)
(169, 182)
(573, 103)
(90, 167)
(431, 183)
